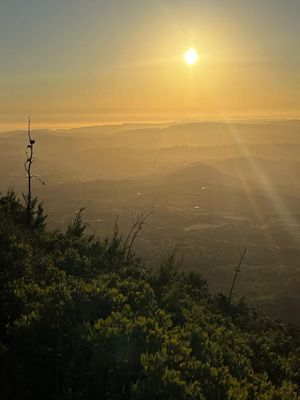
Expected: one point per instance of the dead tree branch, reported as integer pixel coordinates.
(27, 166)
(137, 225)
(237, 271)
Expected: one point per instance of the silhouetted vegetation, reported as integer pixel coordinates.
(236, 272)
(83, 319)
(213, 186)
(28, 197)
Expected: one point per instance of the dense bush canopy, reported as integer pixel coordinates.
(83, 319)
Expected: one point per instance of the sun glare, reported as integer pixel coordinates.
(191, 56)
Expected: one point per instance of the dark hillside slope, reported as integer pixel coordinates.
(83, 319)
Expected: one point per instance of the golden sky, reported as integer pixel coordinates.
(108, 58)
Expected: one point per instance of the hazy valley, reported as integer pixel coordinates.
(213, 189)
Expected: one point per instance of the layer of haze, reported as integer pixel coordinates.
(66, 60)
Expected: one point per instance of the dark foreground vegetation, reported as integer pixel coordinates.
(83, 319)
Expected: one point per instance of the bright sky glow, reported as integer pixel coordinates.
(106, 58)
(191, 56)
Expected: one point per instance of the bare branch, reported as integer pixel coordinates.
(137, 226)
(39, 179)
(30, 159)
(237, 271)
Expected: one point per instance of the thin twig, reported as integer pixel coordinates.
(137, 226)
(28, 164)
(237, 271)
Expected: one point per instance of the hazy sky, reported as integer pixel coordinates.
(112, 57)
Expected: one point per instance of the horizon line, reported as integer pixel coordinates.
(45, 124)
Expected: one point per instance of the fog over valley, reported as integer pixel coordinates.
(213, 187)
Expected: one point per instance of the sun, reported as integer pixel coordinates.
(191, 56)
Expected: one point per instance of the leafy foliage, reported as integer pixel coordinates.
(83, 319)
